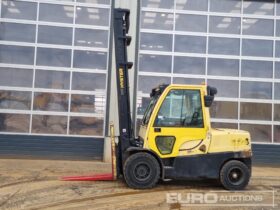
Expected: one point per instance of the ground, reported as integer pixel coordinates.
(36, 184)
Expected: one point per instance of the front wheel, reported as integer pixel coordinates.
(234, 175)
(141, 171)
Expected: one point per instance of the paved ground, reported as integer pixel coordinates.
(35, 184)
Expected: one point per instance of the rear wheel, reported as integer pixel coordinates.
(141, 171)
(234, 175)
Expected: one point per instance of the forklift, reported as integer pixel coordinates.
(175, 141)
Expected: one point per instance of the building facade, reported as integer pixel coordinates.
(57, 80)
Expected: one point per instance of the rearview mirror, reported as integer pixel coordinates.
(209, 98)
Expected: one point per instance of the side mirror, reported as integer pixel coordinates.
(209, 98)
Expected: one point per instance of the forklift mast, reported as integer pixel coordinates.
(121, 27)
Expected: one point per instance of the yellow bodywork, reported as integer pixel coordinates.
(194, 141)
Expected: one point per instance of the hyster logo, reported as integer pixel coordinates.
(121, 74)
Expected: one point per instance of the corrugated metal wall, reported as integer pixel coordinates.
(266, 154)
(49, 147)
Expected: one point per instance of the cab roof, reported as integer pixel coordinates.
(159, 89)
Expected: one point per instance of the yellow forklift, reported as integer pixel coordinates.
(175, 140)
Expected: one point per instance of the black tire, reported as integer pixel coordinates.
(234, 175)
(141, 171)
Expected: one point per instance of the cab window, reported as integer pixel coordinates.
(149, 111)
(180, 108)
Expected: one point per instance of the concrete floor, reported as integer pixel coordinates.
(36, 184)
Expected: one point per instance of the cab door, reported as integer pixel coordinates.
(178, 126)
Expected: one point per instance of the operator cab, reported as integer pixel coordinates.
(188, 99)
(179, 110)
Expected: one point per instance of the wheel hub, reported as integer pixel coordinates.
(235, 175)
(142, 171)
